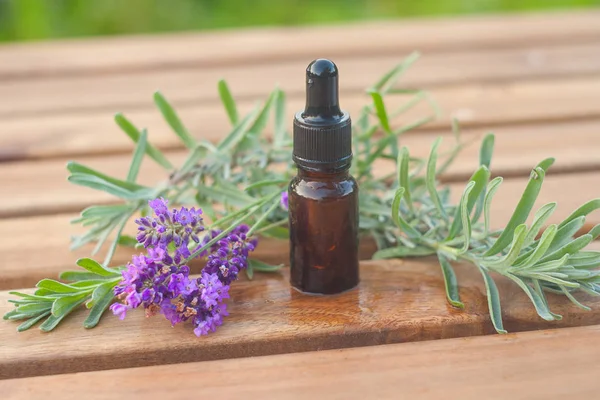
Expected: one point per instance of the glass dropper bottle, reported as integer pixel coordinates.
(323, 197)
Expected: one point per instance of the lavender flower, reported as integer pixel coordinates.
(160, 281)
(285, 200)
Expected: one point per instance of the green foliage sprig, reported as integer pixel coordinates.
(407, 213)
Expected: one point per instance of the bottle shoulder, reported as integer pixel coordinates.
(323, 189)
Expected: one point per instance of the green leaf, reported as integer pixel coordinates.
(480, 180)
(450, 282)
(521, 211)
(275, 232)
(240, 130)
(507, 261)
(31, 296)
(173, 120)
(570, 248)
(101, 299)
(34, 308)
(228, 101)
(32, 321)
(250, 272)
(127, 241)
(540, 292)
(261, 120)
(97, 183)
(103, 212)
(538, 221)
(402, 251)
(261, 184)
(138, 156)
(485, 158)
(261, 266)
(96, 268)
(10, 314)
(546, 164)
(280, 121)
(65, 304)
(55, 286)
(78, 276)
(381, 111)
(135, 135)
(540, 305)
(403, 180)
(387, 81)
(464, 215)
(490, 192)
(573, 299)
(584, 210)
(493, 301)
(54, 320)
(431, 187)
(397, 218)
(225, 194)
(541, 249)
(566, 232)
(79, 169)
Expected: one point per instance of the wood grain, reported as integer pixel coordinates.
(129, 90)
(261, 46)
(528, 365)
(478, 105)
(397, 301)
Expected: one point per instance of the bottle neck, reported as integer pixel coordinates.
(337, 174)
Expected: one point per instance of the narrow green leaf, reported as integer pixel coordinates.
(225, 194)
(78, 169)
(103, 212)
(280, 121)
(493, 301)
(490, 192)
(573, 299)
(173, 120)
(397, 218)
(64, 304)
(238, 133)
(127, 241)
(546, 164)
(263, 217)
(540, 305)
(54, 320)
(508, 260)
(31, 296)
(538, 288)
(431, 187)
(78, 276)
(387, 81)
(138, 156)
(261, 184)
(570, 248)
(521, 211)
(97, 183)
(55, 286)
(381, 111)
(32, 321)
(450, 282)
(595, 232)
(261, 266)
(480, 180)
(261, 120)
(465, 218)
(101, 299)
(584, 210)
(402, 175)
(96, 268)
(34, 308)
(541, 249)
(134, 134)
(485, 158)
(250, 272)
(402, 251)
(10, 314)
(538, 222)
(228, 101)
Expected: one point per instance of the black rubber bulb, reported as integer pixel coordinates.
(322, 97)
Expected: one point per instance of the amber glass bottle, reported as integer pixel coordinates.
(323, 197)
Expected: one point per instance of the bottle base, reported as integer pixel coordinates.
(321, 294)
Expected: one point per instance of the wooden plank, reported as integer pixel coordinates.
(26, 180)
(42, 243)
(528, 365)
(67, 94)
(475, 105)
(261, 46)
(397, 301)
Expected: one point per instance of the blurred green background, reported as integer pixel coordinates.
(43, 19)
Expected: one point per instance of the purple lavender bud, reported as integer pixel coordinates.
(285, 201)
(184, 251)
(119, 310)
(195, 238)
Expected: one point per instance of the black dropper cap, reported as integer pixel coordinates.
(322, 132)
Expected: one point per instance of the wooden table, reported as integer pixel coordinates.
(533, 80)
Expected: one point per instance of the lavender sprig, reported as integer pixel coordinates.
(159, 281)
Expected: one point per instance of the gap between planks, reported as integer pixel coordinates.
(37, 248)
(527, 365)
(397, 301)
(475, 105)
(128, 91)
(266, 46)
